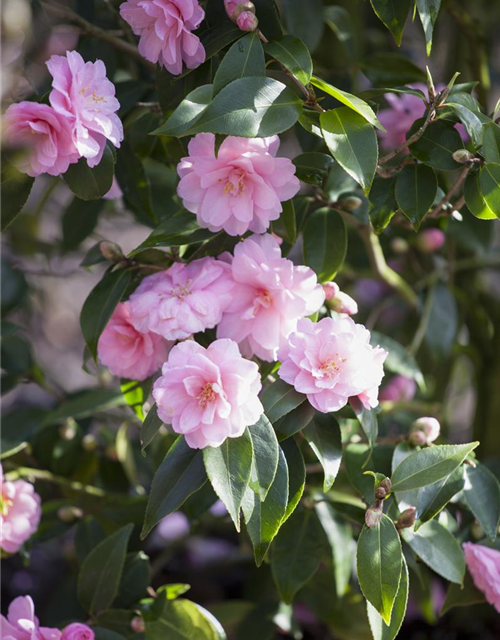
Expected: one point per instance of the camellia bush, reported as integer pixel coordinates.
(290, 421)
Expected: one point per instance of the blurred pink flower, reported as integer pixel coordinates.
(270, 296)
(172, 528)
(208, 394)
(22, 624)
(127, 352)
(239, 190)
(331, 361)
(165, 27)
(399, 389)
(62, 38)
(19, 513)
(430, 240)
(115, 192)
(77, 631)
(82, 93)
(483, 564)
(43, 136)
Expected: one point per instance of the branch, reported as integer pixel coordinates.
(88, 28)
(447, 197)
(39, 474)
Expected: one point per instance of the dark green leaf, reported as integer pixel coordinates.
(279, 399)
(437, 144)
(339, 536)
(244, 59)
(353, 102)
(296, 474)
(393, 13)
(462, 596)
(218, 37)
(265, 456)
(325, 243)
(359, 458)
(305, 22)
(367, 419)
(428, 11)
(489, 181)
(136, 579)
(134, 183)
(179, 475)
(471, 121)
(442, 325)
(416, 189)
(474, 199)
(482, 494)
(434, 497)
(293, 55)
(180, 229)
(187, 113)
(79, 220)
(313, 167)
(324, 437)
(383, 203)
(286, 225)
(379, 562)
(91, 184)
(84, 404)
(380, 630)
(17, 428)
(399, 360)
(16, 188)
(295, 421)
(150, 427)
(391, 70)
(340, 22)
(101, 572)
(181, 620)
(491, 143)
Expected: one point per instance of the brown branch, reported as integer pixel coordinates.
(437, 211)
(416, 136)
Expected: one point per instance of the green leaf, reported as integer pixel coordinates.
(428, 12)
(380, 630)
(391, 70)
(464, 595)
(474, 199)
(482, 494)
(136, 394)
(429, 465)
(434, 497)
(180, 229)
(359, 458)
(489, 181)
(340, 22)
(383, 203)
(250, 107)
(438, 549)
(135, 581)
(293, 55)
(180, 619)
(416, 190)
(84, 404)
(471, 121)
(134, 183)
(399, 360)
(279, 399)
(265, 456)
(229, 470)
(150, 427)
(296, 474)
(294, 421)
(91, 184)
(393, 13)
(491, 143)
(297, 552)
(16, 188)
(437, 144)
(263, 519)
(352, 142)
(325, 243)
(313, 167)
(101, 572)
(306, 24)
(442, 325)
(404, 499)
(179, 475)
(367, 419)
(286, 225)
(187, 113)
(324, 437)
(78, 221)
(100, 304)
(339, 535)
(379, 562)
(18, 426)
(244, 59)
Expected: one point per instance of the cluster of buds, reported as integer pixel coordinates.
(242, 12)
(374, 513)
(424, 431)
(339, 301)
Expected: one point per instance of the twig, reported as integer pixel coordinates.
(447, 197)
(39, 474)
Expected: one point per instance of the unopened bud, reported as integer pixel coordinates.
(89, 442)
(247, 21)
(111, 251)
(331, 290)
(373, 515)
(137, 624)
(407, 518)
(430, 240)
(383, 489)
(399, 389)
(351, 203)
(69, 513)
(342, 303)
(463, 156)
(236, 7)
(68, 430)
(427, 427)
(417, 438)
(399, 245)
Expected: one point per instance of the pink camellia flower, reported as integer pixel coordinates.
(270, 296)
(483, 564)
(430, 240)
(165, 29)
(127, 352)
(331, 361)
(183, 300)
(19, 513)
(82, 93)
(77, 631)
(399, 389)
(208, 394)
(44, 137)
(22, 624)
(239, 190)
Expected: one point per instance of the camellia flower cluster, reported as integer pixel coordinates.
(80, 119)
(19, 514)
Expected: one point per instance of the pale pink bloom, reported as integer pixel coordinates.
(247, 21)
(82, 93)
(43, 136)
(127, 352)
(165, 29)
(19, 513)
(22, 624)
(484, 566)
(430, 240)
(115, 192)
(270, 296)
(331, 361)
(78, 631)
(239, 190)
(399, 389)
(183, 300)
(208, 394)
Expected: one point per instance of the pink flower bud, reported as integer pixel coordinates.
(137, 624)
(77, 631)
(373, 516)
(331, 290)
(235, 7)
(383, 489)
(398, 389)
(342, 303)
(407, 518)
(417, 438)
(429, 427)
(430, 240)
(247, 21)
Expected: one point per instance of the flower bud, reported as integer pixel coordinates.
(430, 240)
(383, 489)
(342, 303)
(463, 156)
(417, 438)
(425, 428)
(399, 245)
(351, 203)
(69, 513)
(111, 251)
(68, 430)
(137, 624)
(247, 21)
(407, 518)
(235, 7)
(373, 515)
(331, 290)
(89, 443)
(399, 389)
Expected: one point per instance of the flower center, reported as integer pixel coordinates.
(5, 505)
(331, 367)
(207, 395)
(264, 299)
(182, 290)
(235, 184)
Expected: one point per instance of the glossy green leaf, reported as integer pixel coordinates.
(489, 182)
(91, 183)
(339, 535)
(379, 562)
(359, 458)
(294, 421)
(136, 578)
(180, 229)
(471, 121)
(428, 12)
(308, 24)
(429, 465)
(340, 22)
(352, 141)
(187, 113)
(391, 70)
(393, 13)
(286, 225)
(324, 437)
(325, 243)
(404, 499)
(491, 143)
(482, 494)
(150, 427)
(416, 190)
(101, 572)
(464, 595)
(293, 55)
(265, 456)
(136, 394)
(437, 145)
(367, 419)
(438, 549)
(229, 469)
(83, 404)
(16, 188)
(179, 475)
(380, 630)
(434, 497)
(244, 59)
(442, 325)
(474, 199)
(312, 167)
(399, 360)
(383, 203)
(181, 619)
(279, 399)
(296, 474)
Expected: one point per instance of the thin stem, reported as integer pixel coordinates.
(447, 197)
(39, 474)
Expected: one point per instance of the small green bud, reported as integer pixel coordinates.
(463, 156)
(351, 203)
(111, 251)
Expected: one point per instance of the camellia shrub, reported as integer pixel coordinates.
(290, 421)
